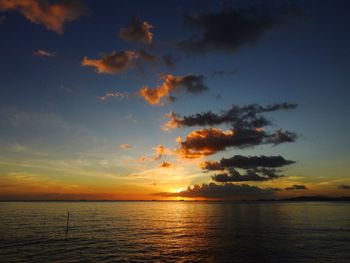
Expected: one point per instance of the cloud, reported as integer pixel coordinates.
(44, 54)
(344, 186)
(190, 84)
(137, 32)
(113, 63)
(246, 162)
(227, 190)
(125, 146)
(113, 95)
(296, 187)
(53, 16)
(256, 174)
(239, 117)
(119, 62)
(232, 28)
(165, 165)
(160, 150)
(209, 141)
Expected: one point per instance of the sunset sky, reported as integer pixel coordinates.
(143, 99)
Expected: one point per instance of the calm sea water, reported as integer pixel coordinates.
(175, 232)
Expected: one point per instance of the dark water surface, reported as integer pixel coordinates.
(175, 232)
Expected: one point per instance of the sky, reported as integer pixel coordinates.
(143, 100)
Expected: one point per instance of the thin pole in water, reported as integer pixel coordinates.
(67, 223)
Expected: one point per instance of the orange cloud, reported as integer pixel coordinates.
(165, 165)
(190, 84)
(138, 32)
(200, 143)
(173, 123)
(160, 150)
(52, 15)
(115, 62)
(44, 54)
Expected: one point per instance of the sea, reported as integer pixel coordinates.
(175, 231)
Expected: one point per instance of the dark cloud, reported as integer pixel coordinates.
(296, 187)
(137, 32)
(226, 190)
(344, 186)
(209, 141)
(53, 15)
(190, 84)
(245, 117)
(247, 162)
(231, 28)
(257, 174)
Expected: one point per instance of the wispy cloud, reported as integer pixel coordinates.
(44, 54)
(125, 146)
(113, 95)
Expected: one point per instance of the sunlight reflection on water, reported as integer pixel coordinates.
(175, 231)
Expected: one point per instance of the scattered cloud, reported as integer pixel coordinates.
(344, 186)
(231, 28)
(296, 187)
(245, 117)
(44, 54)
(190, 84)
(227, 190)
(137, 32)
(113, 95)
(54, 16)
(125, 146)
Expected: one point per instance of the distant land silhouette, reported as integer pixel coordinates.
(292, 199)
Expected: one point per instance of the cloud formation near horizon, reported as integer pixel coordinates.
(192, 84)
(231, 28)
(344, 186)
(257, 168)
(137, 32)
(53, 16)
(227, 190)
(296, 187)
